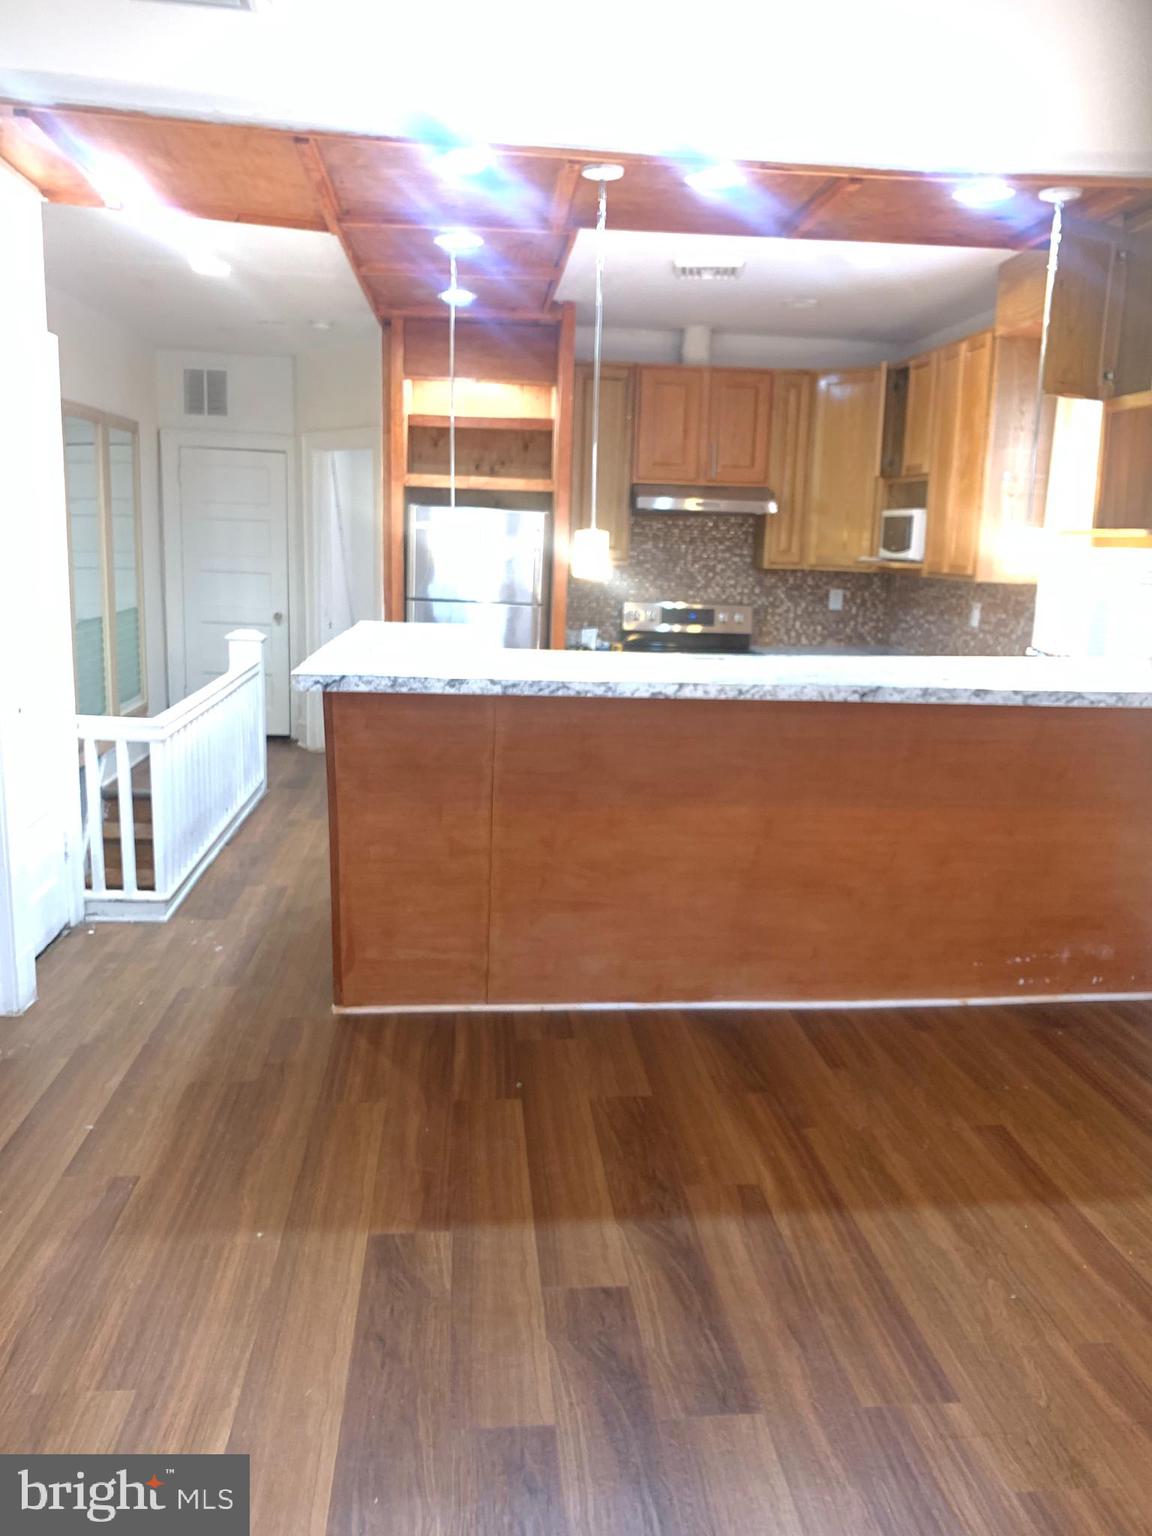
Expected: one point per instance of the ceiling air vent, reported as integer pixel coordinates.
(205, 391)
(708, 272)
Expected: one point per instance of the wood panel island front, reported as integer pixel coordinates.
(556, 829)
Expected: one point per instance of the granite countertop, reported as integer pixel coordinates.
(430, 658)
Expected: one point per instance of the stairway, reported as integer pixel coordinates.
(142, 821)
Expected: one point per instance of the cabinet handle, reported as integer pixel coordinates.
(713, 462)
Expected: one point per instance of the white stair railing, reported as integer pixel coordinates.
(207, 768)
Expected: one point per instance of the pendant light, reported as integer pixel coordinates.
(457, 242)
(1057, 198)
(590, 557)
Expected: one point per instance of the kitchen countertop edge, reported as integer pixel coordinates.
(376, 657)
(781, 692)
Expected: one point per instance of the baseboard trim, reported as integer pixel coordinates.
(785, 1005)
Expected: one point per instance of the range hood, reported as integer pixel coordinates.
(652, 499)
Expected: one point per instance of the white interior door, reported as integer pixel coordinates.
(234, 545)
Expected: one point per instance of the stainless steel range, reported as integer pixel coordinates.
(670, 624)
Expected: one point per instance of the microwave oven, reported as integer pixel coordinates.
(902, 533)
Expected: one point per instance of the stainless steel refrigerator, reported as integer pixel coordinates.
(480, 566)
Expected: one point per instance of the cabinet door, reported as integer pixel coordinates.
(945, 421)
(1083, 293)
(846, 425)
(918, 416)
(739, 422)
(1124, 497)
(670, 426)
(782, 536)
(959, 447)
(614, 471)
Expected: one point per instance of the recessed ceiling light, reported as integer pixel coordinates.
(984, 192)
(606, 171)
(801, 302)
(458, 242)
(1059, 194)
(320, 325)
(459, 298)
(722, 176)
(208, 264)
(465, 160)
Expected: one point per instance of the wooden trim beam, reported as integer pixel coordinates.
(580, 156)
(801, 219)
(477, 311)
(507, 275)
(313, 162)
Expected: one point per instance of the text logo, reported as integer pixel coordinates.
(133, 1495)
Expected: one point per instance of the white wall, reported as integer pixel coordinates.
(261, 392)
(734, 349)
(341, 386)
(40, 863)
(107, 367)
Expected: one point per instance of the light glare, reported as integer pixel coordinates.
(985, 192)
(465, 160)
(459, 242)
(722, 176)
(459, 298)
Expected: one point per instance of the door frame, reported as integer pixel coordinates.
(172, 440)
(309, 722)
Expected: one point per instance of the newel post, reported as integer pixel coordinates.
(245, 649)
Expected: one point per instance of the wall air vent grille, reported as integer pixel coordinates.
(708, 274)
(205, 392)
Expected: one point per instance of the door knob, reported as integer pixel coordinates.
(277, 618)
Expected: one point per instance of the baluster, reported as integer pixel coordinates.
(159, 766)
(127, 818)
(95, 812)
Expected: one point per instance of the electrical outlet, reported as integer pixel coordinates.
(974, 616)
(835, 598)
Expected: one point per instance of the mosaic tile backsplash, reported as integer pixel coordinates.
(713, 559)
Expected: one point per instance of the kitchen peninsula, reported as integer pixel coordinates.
(514, 828)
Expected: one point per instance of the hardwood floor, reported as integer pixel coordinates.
(861, 1273)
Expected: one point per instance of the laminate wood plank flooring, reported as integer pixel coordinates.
(808, 1274)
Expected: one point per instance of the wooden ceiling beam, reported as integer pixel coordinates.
(583, 157)
(505, 275)
(477, 311)
(313, 162)
(802, 218)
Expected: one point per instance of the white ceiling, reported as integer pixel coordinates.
(281, 281)
(1016, 85)
(864, 291)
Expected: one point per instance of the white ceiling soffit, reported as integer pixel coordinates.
(989, 85)
(282, 281)
(863, 291)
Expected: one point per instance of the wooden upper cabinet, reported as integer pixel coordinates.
(670, 418)
(959, 446)
(739, 422)
(614, 471)
(703, 426)
(845, 459)
(917, 459)
(782, 535)
(1100, 328)
(1124, 494)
